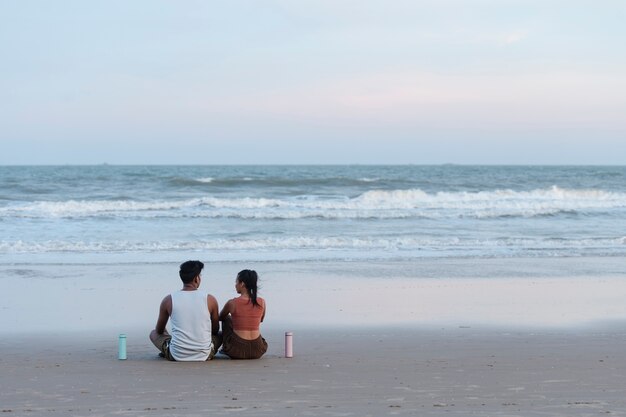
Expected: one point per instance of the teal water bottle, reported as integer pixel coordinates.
(121, 351)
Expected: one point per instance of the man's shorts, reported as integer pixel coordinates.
(162, 343)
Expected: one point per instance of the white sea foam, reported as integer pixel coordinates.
(207, 179)
(321, 244)
(369, 205)
(74, 208)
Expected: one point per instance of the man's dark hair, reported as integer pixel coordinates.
(189, 270)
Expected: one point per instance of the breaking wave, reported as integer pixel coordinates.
(374, 204)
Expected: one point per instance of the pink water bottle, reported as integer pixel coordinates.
(288, 345)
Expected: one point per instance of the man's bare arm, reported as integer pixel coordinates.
(164, 314)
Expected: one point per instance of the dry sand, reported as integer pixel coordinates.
(419, 372)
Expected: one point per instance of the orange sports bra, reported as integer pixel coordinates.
(246, 316)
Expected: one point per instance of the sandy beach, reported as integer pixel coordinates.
(453, 371)
(533, 337)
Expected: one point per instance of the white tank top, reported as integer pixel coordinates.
(191, 326)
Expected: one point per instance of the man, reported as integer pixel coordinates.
(195, 320)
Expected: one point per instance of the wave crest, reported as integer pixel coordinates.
(375, 204)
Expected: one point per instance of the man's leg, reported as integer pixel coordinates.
(161, 342)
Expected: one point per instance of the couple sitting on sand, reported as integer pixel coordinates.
(195, 320)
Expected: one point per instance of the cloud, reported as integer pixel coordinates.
(514, 37)
(555, 99)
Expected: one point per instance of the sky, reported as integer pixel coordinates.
(313, 82)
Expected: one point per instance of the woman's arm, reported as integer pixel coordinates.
(213, 309)
(226, 310)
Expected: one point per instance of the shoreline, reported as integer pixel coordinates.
(112, 259)
(546, 264)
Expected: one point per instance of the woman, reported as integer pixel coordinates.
(241, 318)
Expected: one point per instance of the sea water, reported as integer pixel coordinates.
(111, 214)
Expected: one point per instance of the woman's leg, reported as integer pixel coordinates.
(227, 334)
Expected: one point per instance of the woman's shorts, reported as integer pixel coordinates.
(237, 348)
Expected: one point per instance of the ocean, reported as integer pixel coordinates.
(137, 214)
